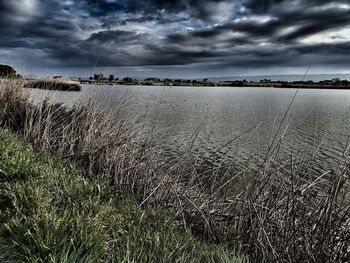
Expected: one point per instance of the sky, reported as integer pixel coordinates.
(175, 38)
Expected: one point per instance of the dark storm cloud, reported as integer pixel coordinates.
(340, 49)
(115, 22)
(202, 9)
(101, 8)
(306, 21)
(264, 6)
(57, 30)
(311, 23)
(206, 33)
(116, 37)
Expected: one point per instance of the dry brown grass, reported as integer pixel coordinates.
(282, 214)
(43, 83)
(53, 84)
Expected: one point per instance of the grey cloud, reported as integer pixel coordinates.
(263, 34)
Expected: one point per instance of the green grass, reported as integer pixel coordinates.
(51, 213)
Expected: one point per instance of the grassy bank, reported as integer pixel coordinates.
(51, 213)
(43, 83)
(283, 213)
(53, 84)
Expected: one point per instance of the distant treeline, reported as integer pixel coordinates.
(111, 79)
(8, 72)
(333, 83)
(61, 84)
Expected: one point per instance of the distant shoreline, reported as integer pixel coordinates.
(75, 85)
(281, 85)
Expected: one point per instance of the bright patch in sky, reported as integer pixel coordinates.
(329, 37)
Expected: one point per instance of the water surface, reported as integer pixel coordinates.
(233, 123)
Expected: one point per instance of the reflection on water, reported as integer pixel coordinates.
(233, 123)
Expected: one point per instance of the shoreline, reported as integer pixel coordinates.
(75, 85)
(295, 86)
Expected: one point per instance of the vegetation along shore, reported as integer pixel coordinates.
(89, 165)
(8, 73)
(100, 79)
(50, 212)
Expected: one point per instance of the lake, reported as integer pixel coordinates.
(231, 123)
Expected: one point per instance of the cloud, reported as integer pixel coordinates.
(18, 11)
(206, 33)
